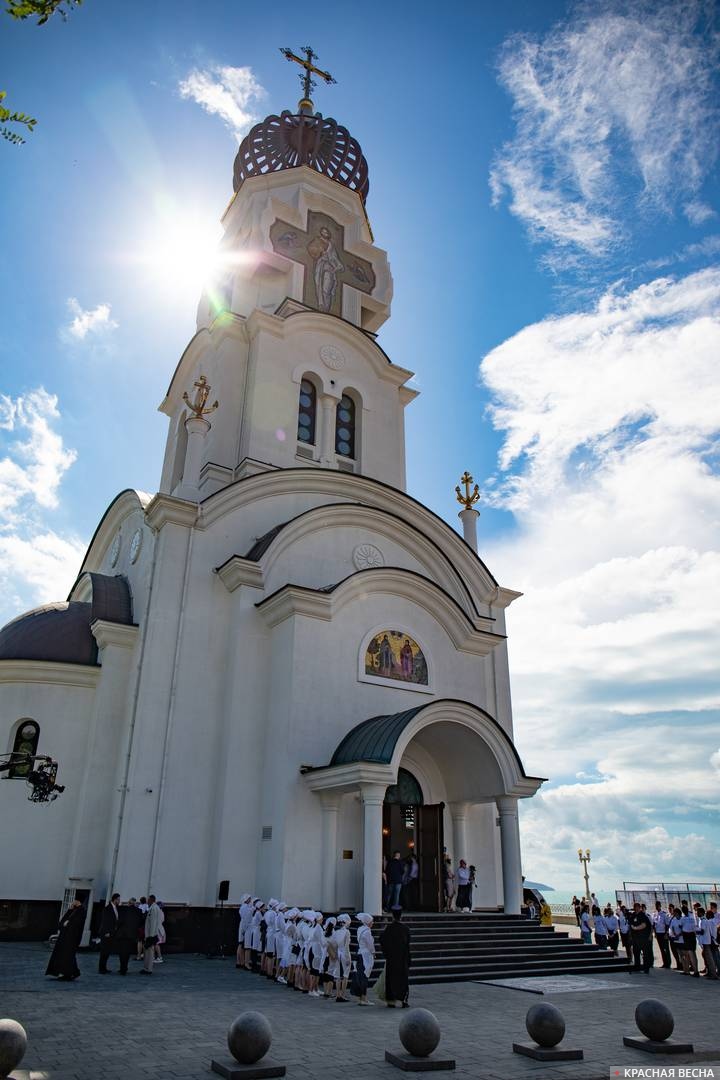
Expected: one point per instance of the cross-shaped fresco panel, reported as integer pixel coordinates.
(328, 266)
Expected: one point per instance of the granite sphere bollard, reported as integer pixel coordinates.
(419, 1032)
(545, 1024)
(654, 1020)
(249, 1037)
(13, 1044)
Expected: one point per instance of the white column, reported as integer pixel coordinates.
(373, 796)
(469, 523)
(197, 429)
(327, 431)
(330, 806)
(510, 847)
(459, 813)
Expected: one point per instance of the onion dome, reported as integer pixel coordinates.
(61, 633)
(293, 139)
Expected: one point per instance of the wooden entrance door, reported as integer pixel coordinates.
(429, 853)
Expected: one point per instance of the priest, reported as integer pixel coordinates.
(395, 944)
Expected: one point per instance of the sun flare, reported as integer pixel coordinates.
(181, 253)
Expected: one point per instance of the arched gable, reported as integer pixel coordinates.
(467, 634)
(433, 558)
(333, 485)
(127, 502)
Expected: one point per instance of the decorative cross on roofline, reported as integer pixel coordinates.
(468, 499)
(308, 83)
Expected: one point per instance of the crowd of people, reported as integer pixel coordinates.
(311, 954)
(130, 928)
(680, 931)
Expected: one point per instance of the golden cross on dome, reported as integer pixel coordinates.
(469, 499)
(307, 79)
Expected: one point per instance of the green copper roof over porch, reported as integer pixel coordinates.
(374, 739)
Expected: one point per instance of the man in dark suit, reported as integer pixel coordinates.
(108, 932)
(126, 936)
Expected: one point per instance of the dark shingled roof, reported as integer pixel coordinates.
(61, 632)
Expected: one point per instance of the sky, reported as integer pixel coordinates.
(544, 177)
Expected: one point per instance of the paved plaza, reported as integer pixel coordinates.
(169, 1026)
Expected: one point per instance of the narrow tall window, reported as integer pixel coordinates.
(26, 742)
(307, 412)
(345, 427)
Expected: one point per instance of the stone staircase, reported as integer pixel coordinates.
(458, 947)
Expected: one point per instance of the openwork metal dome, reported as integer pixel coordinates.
(293, 139)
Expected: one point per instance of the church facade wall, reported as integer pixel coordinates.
(36, 841)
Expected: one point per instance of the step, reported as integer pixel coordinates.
(528, 972)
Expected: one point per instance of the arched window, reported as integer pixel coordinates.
(307, 412)
(345, 427)
(26, 742)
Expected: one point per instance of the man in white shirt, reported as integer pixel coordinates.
(714, 914)
(704, 939)
(661, 922)
(689, 926)
(153, 922)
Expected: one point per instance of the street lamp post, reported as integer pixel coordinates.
(585, 859)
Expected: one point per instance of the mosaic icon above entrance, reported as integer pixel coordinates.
(392, 654)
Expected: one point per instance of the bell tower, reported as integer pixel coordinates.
(287, 332)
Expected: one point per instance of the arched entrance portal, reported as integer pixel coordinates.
(414, 829)
(473, 760)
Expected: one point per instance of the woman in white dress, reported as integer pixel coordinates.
(256, 933)
(366, 955)
(316, 953)
(329, 955)
(279, 938)
(268, 960)
(290, 957)
(340, 967)
(248, 943)
(245, 914)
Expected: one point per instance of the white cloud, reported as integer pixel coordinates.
(228, 92)
(704, 249)
(37, 568)
(610, 465)
(698, 212)
(615, 109)
(36, 563)
(35, 463)
(95, 322)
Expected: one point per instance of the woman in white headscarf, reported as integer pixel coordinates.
(268, 960)
(280, 912)
(285, 957)
(245, 914)
(366, 955)
(256, 935)
(328, 956)
(303, 970)
(316, 951)
(340, 967)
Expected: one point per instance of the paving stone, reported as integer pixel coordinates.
(171, 1026)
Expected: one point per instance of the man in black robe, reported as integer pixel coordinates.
(131, 919)
(108, 932)
(395, 943)
(62, 960)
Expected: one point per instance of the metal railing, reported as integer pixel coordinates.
(645, 892)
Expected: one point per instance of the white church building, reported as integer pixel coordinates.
(280, 667)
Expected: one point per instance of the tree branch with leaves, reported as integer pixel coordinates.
(29, 9)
